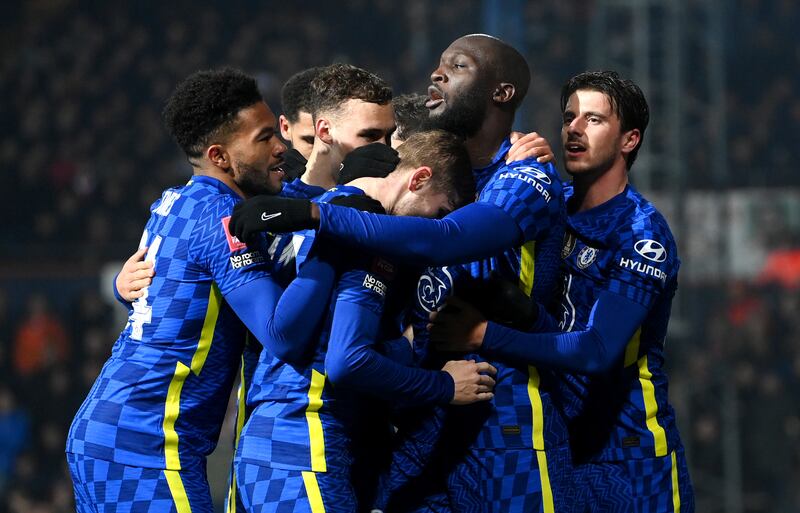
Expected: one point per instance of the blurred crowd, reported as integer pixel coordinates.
(85, 156)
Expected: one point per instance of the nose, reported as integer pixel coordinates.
(437, 75)
(279, 149)
(576, 126)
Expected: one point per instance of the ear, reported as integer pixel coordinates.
(218, 156)
(286, 130)
(504, 92)
(418, 178)
(630, 140)
(322, 129)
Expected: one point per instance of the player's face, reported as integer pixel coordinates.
(300, 133)
(256, 152)
(459, 93)
(359, 123)
(591, 134)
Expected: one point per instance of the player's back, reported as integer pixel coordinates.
(161, 397)
(624, 246)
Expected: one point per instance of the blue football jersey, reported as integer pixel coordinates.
(161, 397)
(522, 412)
(624, 246)
(299, 420)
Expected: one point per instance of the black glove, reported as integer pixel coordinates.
(267, 213)
(375, 160)
(294, 165)
(359, 201)
(501, 301)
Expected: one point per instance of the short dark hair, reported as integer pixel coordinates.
(296, 93)
(410, 114)
(204, 106)
(447, 157)
(626, 98)
(338, 83)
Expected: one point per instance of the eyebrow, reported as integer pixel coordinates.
(267, 130)
(372, 132)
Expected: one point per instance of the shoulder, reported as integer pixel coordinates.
(644, 239)
(527, 179)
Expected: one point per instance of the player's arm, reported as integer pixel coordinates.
(284, 321)
(351, 359)
(499, 219)
(613, 321)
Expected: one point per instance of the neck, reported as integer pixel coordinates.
(483, 146)
(377, 189)
(595, 188)
(222, 176)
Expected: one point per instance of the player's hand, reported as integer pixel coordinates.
(376, 160)
(294, 164)
(359, 201)
(472, 380)
(135, 276)
(267, 213)
(458, 327)
(525, 146)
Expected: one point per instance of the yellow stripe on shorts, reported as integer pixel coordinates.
(177, 490)
(312, 490)
(676, 496)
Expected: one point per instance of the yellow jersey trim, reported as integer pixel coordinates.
(547, 492)
(172, 406)
(651, 408)
(315, 435)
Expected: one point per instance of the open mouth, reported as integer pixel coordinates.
(574, 148)
(436, 97)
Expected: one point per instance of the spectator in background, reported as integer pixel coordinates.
(14, 426)
(40, 340)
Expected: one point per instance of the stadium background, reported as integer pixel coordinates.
(84, 155)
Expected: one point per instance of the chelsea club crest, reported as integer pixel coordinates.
(586, 257)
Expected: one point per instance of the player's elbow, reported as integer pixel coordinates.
(338, 370)
(286, 352)
(599, 359)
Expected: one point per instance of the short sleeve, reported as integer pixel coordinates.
(229, 261)
(528, 191)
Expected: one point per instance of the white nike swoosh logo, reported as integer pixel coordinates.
(267, 217)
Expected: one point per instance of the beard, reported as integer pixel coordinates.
(253, 181)
(463, 114)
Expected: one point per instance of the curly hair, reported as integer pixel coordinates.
(296, 93)
(410, 114)
(204, 107)
(338, 83)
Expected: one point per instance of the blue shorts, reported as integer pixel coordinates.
(104, 486)
(266, 489)
(651, 485)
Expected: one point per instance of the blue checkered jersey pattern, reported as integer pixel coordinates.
(623, 246)
(299, 420)
(161, 397)
(522, 413)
